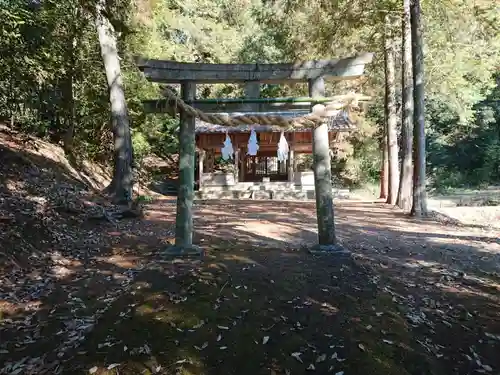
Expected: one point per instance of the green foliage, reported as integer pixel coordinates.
(52, 77)
(464, 154)
(144, 199)
(141, 146)
(356, 159)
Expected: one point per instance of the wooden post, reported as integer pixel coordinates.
(201, 163)
(243, 165)
(185, 196)
(323, 177)
(236, 165)
(291, 165)
(295, 162)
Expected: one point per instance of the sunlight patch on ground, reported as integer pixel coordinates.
(63, 267)
(241, 259)
(11, 308)
(160, 215)
(61, 272)
(16, 186)
(120, 261)
(325, 307)
(275, 231)
(467, 292)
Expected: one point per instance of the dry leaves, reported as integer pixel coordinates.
(297, 355)
(321, 358)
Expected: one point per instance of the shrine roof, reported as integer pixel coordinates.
(339, 122)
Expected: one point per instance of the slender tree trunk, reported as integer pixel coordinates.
(70, 89)
(122, 183)
(384, 168)
(70, 100)
(405, 179)
(419, 207)
(390, 110)
(12, 106)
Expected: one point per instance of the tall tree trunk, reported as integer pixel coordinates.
(405, 178)
(69, 99)
(122, 183)
(384, 168)
(70, 82)
(12, 106)
(390, 112)
(419, 207)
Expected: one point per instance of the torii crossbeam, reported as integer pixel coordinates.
(175, 72)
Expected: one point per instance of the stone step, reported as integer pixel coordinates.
(268, 194)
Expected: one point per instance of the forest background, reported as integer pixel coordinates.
(53, 82)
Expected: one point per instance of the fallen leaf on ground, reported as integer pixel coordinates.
(297, 355)
(321, 358)
(199, 325)
(492, 336)
(487, 368)
(265, 339)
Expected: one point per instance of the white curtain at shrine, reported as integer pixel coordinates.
(253, 145)
(283, 148)
(227, 151)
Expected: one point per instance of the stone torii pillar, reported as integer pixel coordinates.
(185, 196)
(323, 180)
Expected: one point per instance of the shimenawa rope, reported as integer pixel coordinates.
(312, 120)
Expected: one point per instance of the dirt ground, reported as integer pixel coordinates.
(83, 294)
(415, 297)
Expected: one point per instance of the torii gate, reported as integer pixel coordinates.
(252, 75)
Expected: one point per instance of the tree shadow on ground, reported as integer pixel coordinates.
(393, 309)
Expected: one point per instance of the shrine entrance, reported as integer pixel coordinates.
(207, 127)
(265, 165)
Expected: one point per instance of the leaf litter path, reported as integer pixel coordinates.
(416, 298)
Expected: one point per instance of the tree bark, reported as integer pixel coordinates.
(384, 169)
(122, 183)
(390, 112)
(69, 88)
(405, 179)
(419, 207)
